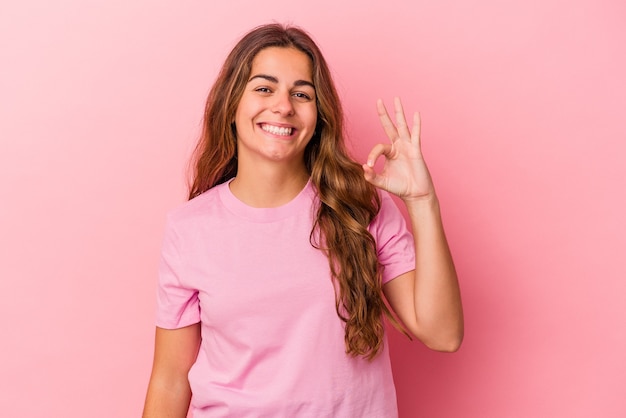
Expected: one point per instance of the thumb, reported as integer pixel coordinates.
(371, 176)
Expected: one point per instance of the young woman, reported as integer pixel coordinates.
(274, 275)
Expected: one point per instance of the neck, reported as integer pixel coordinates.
(268, 186)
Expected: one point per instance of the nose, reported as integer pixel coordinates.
(282, 104)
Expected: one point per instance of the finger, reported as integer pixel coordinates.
(377, 151)
(417, 129)
(403, 128)
(385, 121)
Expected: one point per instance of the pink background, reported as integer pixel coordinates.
(524, 129)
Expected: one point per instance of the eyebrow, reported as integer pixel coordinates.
(273, 79)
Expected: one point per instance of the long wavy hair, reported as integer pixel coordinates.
(348, 203)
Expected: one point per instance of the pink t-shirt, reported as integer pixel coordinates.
(272, 343)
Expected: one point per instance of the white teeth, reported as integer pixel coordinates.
(276, 130)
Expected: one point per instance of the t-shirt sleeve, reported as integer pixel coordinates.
(177, 304)
(394, 242)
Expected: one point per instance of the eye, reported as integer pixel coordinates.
(302, 96)
(265, 90)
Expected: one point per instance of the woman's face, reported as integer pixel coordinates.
(277, 114)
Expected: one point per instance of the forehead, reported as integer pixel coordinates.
(283, 63)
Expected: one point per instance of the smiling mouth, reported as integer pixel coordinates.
(277, 130)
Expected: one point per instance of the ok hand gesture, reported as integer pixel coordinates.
(404, 173)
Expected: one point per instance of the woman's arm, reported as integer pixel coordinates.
(427, 300)
(175, 351)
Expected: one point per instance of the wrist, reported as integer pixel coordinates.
(423, 209)
(426, 200)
